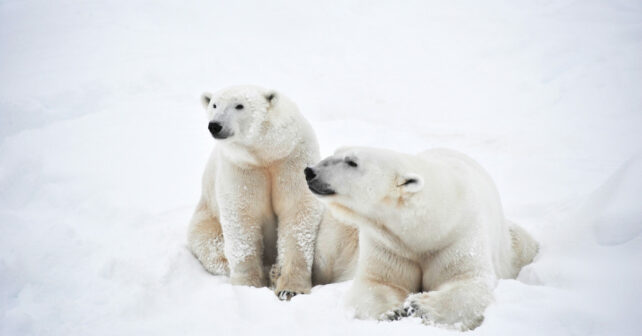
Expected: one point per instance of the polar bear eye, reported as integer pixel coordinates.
(239, 107)
(351, 163)
(213, 105)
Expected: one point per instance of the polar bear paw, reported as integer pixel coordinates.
(286, 290)
(431, 312)
(408, 309)
(210, 253)
(286, 295)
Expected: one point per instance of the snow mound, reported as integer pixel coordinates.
(616, 207)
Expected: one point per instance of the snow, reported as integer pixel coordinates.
(103, 141)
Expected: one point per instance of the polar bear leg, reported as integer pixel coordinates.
(458, 304)
(297, 230)
(244, 251)
(382, 281)
(243, 200)
(460, 286)
(299, 214)
(205, 240)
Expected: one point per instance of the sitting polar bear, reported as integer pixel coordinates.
(253, 187)
(430, 224)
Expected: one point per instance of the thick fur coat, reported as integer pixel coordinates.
(433, 239)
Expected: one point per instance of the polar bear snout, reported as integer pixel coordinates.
(216, 129)
(309, 174)
(316, 185)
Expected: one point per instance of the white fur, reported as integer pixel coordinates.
(336, 252)
(431, 233)
(253, 187)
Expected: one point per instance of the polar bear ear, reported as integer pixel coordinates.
(206, 97)
(341, 150)
(411, 183)
(272, 97)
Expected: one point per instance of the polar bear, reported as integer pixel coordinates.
(433, 240)
(253, 187)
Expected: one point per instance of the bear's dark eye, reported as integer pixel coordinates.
(351, 163)
(239, 107)
(213, 105)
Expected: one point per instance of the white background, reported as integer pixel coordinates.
(103, 141)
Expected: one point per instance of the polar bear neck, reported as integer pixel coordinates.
(373, 227)
(267, 142)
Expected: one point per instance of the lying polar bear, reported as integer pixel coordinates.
(252, 187)
(432, 233)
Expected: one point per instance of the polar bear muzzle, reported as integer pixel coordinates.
(316, 185)
(217, 130)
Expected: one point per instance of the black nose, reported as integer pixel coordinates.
(214, 127)
(309, 174)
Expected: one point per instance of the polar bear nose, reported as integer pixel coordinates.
(309, 174)
(214, 127)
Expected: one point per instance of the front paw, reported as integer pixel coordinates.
(420, 305)
(285, 289)
(439, 311)
(286, 295)
(408, 309)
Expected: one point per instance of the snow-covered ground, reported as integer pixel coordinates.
(103, 141)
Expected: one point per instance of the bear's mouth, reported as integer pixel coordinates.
(322, 189)
(222, 135)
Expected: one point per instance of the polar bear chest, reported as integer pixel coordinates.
(244, 199)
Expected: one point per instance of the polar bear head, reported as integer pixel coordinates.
(364, 180)
(238, 114)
